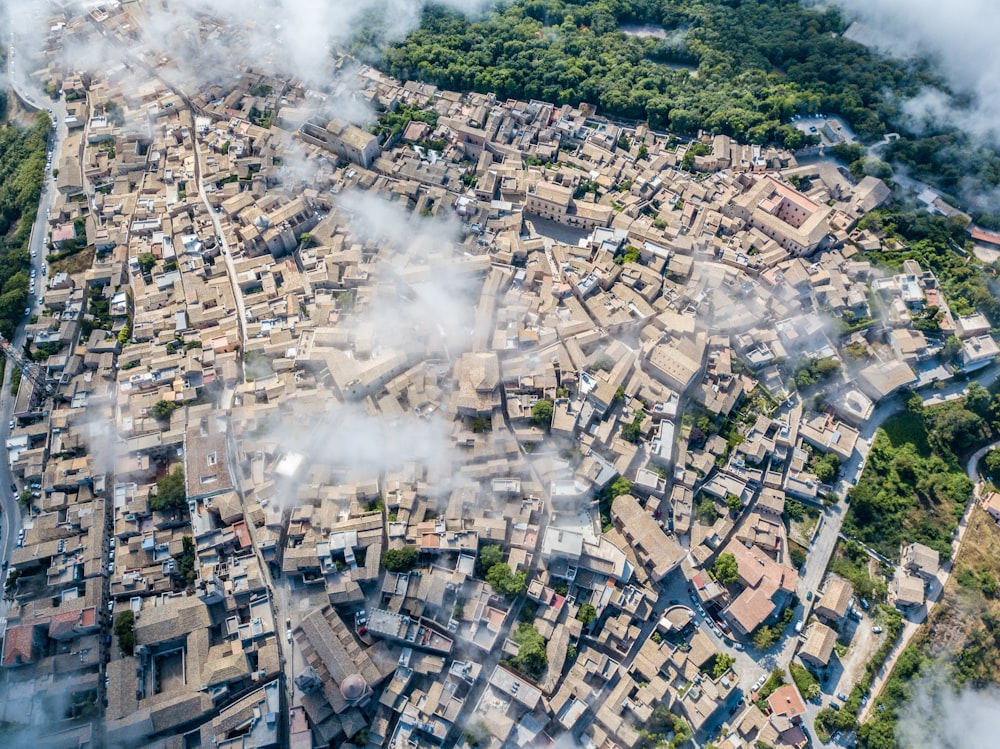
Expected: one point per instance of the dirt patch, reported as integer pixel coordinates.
(963, 625)
(78, 262)
(861, 643)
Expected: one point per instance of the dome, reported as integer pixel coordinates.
(353, 687)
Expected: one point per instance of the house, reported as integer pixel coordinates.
(978, 351)
(767, 586)
(991, 503)
(836, 598)
(920, 560)
(819, 645)
(907, 590)
(657, 552)
(787, 703)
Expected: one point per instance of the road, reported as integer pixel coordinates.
(31, 96)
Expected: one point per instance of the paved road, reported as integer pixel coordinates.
(10, 518)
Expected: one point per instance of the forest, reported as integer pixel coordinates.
(739, 67)
(22, 169)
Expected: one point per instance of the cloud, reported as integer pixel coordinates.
(960, 39)
(939, 717)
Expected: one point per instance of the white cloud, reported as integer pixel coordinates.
(938, 717)
(960, 38)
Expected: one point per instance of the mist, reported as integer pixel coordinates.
(959, 37)
(939, 717)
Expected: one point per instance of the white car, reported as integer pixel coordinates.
(759, 683)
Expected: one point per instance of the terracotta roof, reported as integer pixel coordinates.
(786, 702)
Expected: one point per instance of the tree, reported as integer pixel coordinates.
(642, 153)
(25, 498)
(489, 556)
(586, 614)
(146, 261)
(531, 658)
(170, 492)
(400, 560)
(726, 569)
(186, 561)
(992, 464)
(765, 637)
(734, 503)
(541, 413)
(161, 410)
(632, 432)
(505, 582)
(978, 399)
(951, 349)
(123, 631)
(723, 662)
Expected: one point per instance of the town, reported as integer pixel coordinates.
(493, 423)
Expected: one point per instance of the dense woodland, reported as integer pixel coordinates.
(22, 169)
(739, 67)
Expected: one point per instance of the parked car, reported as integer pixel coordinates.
(809, 596)
(877, 630)
(841, 696)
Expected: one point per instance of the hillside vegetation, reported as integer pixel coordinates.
(22, 168)
(914, 487)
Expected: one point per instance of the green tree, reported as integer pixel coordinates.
(805, 682)
(170, 492)
(146, 261)
(186, 561)
(161, 410)
(723, 662)
(24, 499)
(489, 556)
(505, 582)
(123, 631)
(586, 614)
(726, 569)
(541, 413)
(531, 658)
(992, 464)
(734, 503)
(951, 350)
(765, 637)
(400, 560)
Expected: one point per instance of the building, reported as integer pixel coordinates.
(787, 703)
(784, 214)
(978, 351)
(920, 560)
(767, 587)
(346, 140)
(819, 645)
(658, 553)
(836, 598)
